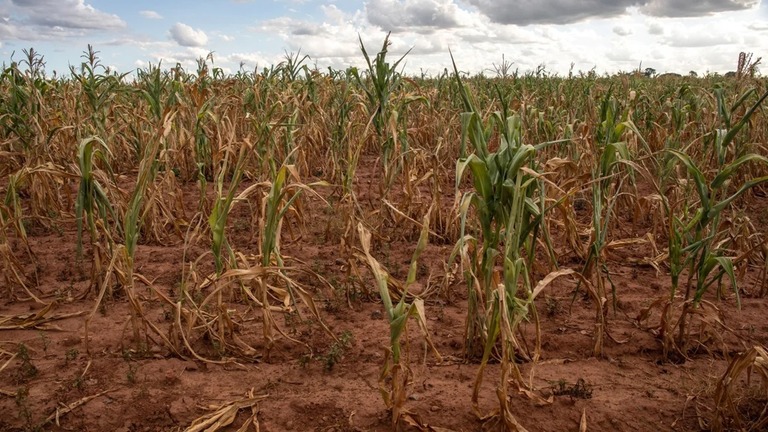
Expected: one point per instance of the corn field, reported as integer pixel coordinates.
(362, 249)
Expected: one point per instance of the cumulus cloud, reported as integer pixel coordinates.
(622, 31)
(33, 20)
(703, 36)
(187, 36)
(322, 40)
(693, 8)
(223, 36)
(292, 27)
(397, 15)
(701, 40)
(655, 29)
(150, 14)
(525, 12)
(67, 14)
(250, 60)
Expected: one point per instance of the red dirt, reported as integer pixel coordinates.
(632, 389)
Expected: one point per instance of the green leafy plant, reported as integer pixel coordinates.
(395, 368)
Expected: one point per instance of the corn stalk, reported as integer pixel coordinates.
(395, 369)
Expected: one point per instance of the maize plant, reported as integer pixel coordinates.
(509, 203)
(494, 176)
(92, 207)
(22, 114)
(382, 82)
(123, 255)
(742, 385)
(13, 271)
(395, 368)
(256, 279)
(100, 90)
(282, 198)
(612, 155)
(696, 241)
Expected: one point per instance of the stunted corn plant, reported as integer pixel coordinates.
(494, 177)
(612, 166)
(123, 255)
(99, 90)
(261, 281)
(92, 207)
(223, 255)
(22, 113)
(40, 183)
(509, 202)
(694, 206)
(694, 242)
(13, 271)
(280, 200)
(395, 369)
(380, 86)
(739, 398)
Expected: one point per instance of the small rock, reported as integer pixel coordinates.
(434, 408)
(415, 397)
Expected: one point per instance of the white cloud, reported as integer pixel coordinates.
(525, 12)
(694, 8)
(68, 14)
(150, 14)
(187, 36)
(398, 15)
(622, 31)
(224, 37)
(35, 20)
(758, 26)
(701, 36)
(655, 28)
(250, 60)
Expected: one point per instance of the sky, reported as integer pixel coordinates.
(607, 36)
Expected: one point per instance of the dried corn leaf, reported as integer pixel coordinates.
(223, 415)
(67, 408)
(736, 401)
(39, 320)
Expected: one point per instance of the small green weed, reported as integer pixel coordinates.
(580, 390)
(337, 349)
(27, 370)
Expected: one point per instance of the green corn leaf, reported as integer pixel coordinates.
(698, 177)
(716, 209)
(420, 246)
(521, 157)
(481, 177)
(744, 120)
(727, 171)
